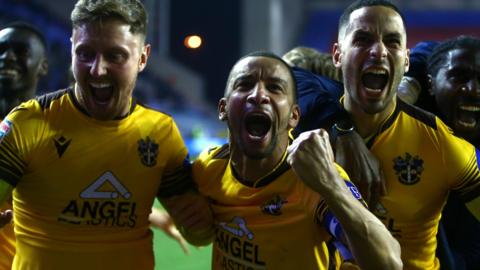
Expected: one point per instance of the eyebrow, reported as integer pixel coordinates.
(394, 35)
(249, 76)
(361, 32)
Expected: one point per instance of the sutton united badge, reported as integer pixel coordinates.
(408, 168)
(148, 151)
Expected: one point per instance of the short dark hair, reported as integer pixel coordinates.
(439, 54)
(132, 12)
(20, 25)
(310, 59)
(268, 55)
(345, 17)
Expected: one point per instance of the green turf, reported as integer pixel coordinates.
(169, 255)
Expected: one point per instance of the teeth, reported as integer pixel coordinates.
(100, 85)
(467, 124)
(373, 90)
(8, 72)
(470, 108)
(376, 71)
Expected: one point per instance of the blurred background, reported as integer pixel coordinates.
(195, 43)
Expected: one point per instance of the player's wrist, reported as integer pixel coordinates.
(341, 128)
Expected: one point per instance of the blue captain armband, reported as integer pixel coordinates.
(332, 225)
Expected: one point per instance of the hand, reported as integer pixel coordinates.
(193, 217)
(5, 217)
(311, 158)
(362, 167)
(162, 220)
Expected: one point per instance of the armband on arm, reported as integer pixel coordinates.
(331, 224)
(177, 182)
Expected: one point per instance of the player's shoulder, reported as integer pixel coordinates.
(215, 153)
(418, 114)
(146, 112)
(48, 100)
(212, 158)
(35, 107)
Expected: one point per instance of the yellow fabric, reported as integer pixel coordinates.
(269, 227)
(421, 163)
(83, 190)
(7, 243)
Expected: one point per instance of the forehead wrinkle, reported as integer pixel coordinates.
(364, 19)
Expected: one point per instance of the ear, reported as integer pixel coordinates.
(43, 69)
(337, 55)
(407, 61)
(222, 109)
(294, 116)
(430, 84)
(144, 57)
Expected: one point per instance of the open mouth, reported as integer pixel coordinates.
(467, 115)
(375, 80)
(10, 73)
(258, 124)
(101, 92)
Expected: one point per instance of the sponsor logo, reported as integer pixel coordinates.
(237, 227)
(273, 206)
(233, 246)
(61, 144)
(408, 168)
(5, 127)
(148, 151)
(105, 202)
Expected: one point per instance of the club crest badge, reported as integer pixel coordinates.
(148, 151)
(274, 206)
(408, 168)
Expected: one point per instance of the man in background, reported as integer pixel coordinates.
(23, 61)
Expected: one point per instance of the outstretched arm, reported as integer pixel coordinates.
(192, 215)
(190, 210)
(371, 243)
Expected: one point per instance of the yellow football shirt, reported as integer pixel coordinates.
(422, 162)
(274, 226)
(84, 188)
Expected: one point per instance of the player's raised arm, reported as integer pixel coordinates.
(369, 240)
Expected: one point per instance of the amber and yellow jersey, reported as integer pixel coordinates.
(84, 188)
(7, 242)
(271, 226)
(422, 162)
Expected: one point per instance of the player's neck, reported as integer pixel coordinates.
(251, 170)
(368, 124)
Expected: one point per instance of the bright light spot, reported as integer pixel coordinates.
(193, 42)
